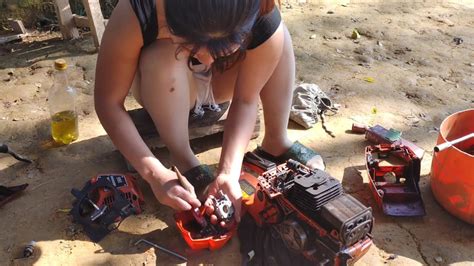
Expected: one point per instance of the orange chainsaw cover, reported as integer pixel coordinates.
(452, 170)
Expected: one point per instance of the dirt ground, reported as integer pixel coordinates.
(420, 76)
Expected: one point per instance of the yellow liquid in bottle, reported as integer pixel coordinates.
(64, 127)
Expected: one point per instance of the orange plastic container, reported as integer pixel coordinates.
(452, 170)
(184, 222)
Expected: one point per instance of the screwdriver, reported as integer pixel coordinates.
(186, 185)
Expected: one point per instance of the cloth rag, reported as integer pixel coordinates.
(309, 103)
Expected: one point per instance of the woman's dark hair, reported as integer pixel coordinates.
(218, 25)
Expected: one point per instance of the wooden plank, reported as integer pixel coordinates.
(83, 21)
(65, 19)
(96, 19)
(211, 123)
(154, 141)
(17, 26)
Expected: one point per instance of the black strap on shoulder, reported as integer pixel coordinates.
(145, 10)
(264, 28)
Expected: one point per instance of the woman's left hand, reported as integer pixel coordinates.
(231, 187)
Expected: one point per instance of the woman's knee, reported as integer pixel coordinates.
(223, 84)
(160, 72)
(161, 57)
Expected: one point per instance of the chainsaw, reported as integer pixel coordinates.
(104, 202)
(394, 175)
(308, 210)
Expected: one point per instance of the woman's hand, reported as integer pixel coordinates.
(231, 187)
(169, 191)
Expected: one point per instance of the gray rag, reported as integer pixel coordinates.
(309, 101)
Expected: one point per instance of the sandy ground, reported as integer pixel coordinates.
(420, 77)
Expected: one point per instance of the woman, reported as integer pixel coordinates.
(153, 47)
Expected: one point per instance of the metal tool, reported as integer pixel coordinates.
(184, 181)
(5, 149)
(169, 252)
(189, 187)
(450, 143)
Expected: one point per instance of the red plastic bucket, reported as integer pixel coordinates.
(452, 170)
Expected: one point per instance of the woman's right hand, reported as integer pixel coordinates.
(169, 191)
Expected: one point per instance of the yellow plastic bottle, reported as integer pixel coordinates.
(62, 106)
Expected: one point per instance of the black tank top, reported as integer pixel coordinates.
(145, 10)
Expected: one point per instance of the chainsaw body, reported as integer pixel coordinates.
(308, 209)
(104, 202)
(394, 174)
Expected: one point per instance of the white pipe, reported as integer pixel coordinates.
(448, 144)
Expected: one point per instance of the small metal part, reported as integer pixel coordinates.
(223, 208)
(251, 254)
(458, 40)
(29, 249)
(98, 211)
(199, 217)
(167, 251)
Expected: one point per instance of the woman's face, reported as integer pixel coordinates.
(202, 54)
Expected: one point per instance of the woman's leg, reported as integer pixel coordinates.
(165, 90)
(276, 97)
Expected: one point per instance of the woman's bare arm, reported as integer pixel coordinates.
(116, 67)
(254, 72)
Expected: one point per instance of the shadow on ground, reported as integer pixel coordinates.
(437, 238)
(55, 171)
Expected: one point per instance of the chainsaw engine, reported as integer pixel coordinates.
(308, 209)
(104, 202)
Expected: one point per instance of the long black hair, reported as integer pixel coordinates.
(217, 25)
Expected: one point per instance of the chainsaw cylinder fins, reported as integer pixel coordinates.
(310, 213)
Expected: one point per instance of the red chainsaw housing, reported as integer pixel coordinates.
(186, 224)
(394, 173)
(268, 206)
(123, 182)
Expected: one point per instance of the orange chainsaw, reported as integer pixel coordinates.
(307, 209)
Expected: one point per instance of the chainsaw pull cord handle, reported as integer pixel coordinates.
(5, 149)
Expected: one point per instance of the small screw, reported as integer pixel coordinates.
(29, 249)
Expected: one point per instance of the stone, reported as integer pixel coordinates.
(392, 257)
